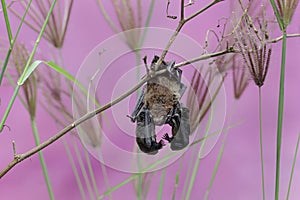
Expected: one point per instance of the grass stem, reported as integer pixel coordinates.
(42, 160)
(280, 114)
(83, 169)
(29, 61)
(197, 162)
(213, 176)
(10, 104)
(91, 171)
(261, 145)
(5, 14)
(12, 43)
(161, 184)
(74, 169)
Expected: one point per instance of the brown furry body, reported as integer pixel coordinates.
(161, 95)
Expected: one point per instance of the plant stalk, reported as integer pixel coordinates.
(261, 145)
(5, 14)
(41, 157)
(197, 162)
(29, 61)
(280, 114)
(161, 184)
(12, 42)
(12, 100)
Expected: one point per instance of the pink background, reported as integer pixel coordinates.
(239, 172)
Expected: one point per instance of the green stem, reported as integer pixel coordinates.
(213, 176)
(149, 16)
(261, 145)
(161, 184)
(196, 165)
(104, 174)
(12, 43)
(277, 14)
(189, 171)
(280, 114)
(74, 169)
(175, 186)
(140, 186)
(293, 168)
(138, 76)
(193, 177)
(27, 66)
(92, 175)
(12, 100)
(83, 170)
(4, 66)
(42, 160)
(8, 28)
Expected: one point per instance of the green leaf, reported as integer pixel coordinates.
(28, 72)
(54, 66)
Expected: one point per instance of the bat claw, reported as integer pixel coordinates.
(166, 137)
(162, 143)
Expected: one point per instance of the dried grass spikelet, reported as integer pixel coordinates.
(129, 17)
(242, 21)
(20, 56)
(254, 48)
(240, 75)
(57, 98)
(57, 25)
(204, 88)
(90, 130)
(232, 62)
(54, 95)
(287, 9)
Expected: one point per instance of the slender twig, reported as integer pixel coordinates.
(275, 40)
(14, 148)
(20, 157)
(203, 9)
(191, 2)
(180, 25)
(134, 176)
(71, 126)
(207, 56)
(182, 10)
